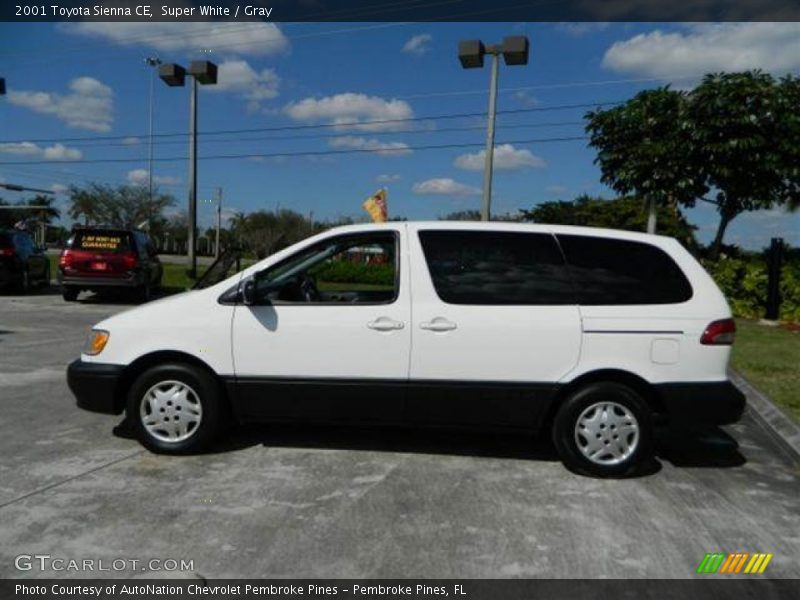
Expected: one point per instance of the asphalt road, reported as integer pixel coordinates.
(321, 502)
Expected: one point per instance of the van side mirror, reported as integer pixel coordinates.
(249, 291)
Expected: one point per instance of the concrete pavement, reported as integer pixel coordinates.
(338, 502)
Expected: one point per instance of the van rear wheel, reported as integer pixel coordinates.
(176, 408)
(604, 429)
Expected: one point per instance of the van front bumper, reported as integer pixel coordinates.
(95, 386)
(707, 403)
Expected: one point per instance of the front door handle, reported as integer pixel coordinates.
(385, 324)
(438, 324)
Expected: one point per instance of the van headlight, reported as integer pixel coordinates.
(98, 339)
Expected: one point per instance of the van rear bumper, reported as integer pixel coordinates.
(94, 386)
(708, 403)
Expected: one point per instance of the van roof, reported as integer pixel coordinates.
(509, 226)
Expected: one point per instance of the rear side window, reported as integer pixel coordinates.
(111, 242)
(6, 241)
(496, 268)
(608, 271)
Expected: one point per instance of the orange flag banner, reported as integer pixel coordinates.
(377, 206)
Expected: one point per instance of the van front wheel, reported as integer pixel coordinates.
(604, 429)
(175, 408)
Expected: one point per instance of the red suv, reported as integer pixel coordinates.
(99, 259)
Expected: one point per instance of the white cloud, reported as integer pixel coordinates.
(59, 188)
(29, 149)
(238, 77)
(140, 177)
(708, 47)
(257, 39)
(361, 143)
(383, 178)
(131, 141)
(444, 186)
(505, 157)
(525, 98)
(351, 110)
(418, 44)
(61, 152)
(88, 105)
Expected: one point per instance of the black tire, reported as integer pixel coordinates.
(70, 294)
(616, 454)
(207, 393)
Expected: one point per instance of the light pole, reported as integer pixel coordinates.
(152, 61)
(470, 53)
(174, 75)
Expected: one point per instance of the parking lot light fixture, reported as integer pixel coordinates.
(515, 50)
(2, 86)
(174, 75)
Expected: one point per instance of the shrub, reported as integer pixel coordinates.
(340, 271)
(744, 283)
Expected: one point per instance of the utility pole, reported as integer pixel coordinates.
(219, 221)
(152, 61)
(192, 178)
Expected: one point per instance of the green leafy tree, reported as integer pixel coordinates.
(739, 122)
(622, 213)
(122, 206)
(642, 149)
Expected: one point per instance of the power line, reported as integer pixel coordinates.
(338, 135)
(345, 125)
(384, 151)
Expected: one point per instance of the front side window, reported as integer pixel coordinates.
(609, 271)
(496, 268)
(351, 269)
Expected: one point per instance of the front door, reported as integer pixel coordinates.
(495, 326)
(330, 337)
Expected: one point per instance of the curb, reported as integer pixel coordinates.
(777, 423)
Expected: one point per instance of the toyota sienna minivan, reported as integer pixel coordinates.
(588, 335)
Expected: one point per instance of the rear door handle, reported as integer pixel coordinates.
(385, 324)
(438, 324)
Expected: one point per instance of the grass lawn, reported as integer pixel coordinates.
(769, 357)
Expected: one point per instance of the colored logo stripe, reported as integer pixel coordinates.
(714, 562)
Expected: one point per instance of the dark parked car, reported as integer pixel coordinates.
(99, 259)
(22, 262)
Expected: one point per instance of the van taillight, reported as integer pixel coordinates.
(6, 251)
(65, 260)
(719, 333)
(130, 260)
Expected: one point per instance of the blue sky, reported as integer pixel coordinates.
(84, 80)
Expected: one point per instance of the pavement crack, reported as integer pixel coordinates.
(73, 478)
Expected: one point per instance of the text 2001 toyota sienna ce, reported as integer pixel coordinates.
(589, 334)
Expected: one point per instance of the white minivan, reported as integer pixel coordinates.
(590, 334)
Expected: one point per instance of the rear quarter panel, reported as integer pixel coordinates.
(660, 342)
